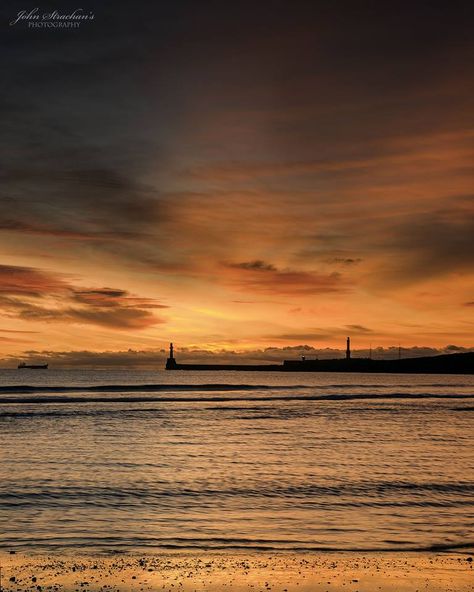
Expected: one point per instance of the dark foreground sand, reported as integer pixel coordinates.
(305, 572)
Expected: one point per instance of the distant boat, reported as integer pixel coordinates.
(23, 366)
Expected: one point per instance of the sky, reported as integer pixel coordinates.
(241, 180)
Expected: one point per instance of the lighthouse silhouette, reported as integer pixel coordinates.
(348, 349)
(171, 362)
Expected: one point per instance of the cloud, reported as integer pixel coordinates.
(18, 331)
(345, 260)
(115, 316)
(456, 348)
(108, 297)
(322, 334)
(26, 281)
(11, 340)
(94, 203)
(359, 329)
(408, 157)
(7, 224)
(430, 245)
(244, 301)
(303, 336)
(261, 277)
(37, 295)
(257, 265)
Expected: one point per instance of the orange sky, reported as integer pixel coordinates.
(238, 181)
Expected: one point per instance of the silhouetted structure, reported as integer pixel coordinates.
(444, 364)
(348, 348)
(23, 366)
(171, 362)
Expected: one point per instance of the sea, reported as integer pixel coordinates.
(151, 461)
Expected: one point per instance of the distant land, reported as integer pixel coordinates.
(459, 363)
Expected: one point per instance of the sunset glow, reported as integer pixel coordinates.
(256, 185)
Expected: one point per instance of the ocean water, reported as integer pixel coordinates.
(129, 460)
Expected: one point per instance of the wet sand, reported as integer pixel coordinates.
(304, 572)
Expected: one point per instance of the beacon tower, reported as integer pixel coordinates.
(171, 362)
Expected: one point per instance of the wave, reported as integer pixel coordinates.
(114, 545)
(382, 386)
(37, 400)
(134, 388)
(311, 492)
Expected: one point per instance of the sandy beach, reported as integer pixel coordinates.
(304, 572)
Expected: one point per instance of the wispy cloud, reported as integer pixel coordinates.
(38, 295)
(261, 277)
(256, 265)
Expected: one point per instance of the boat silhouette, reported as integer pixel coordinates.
(23, 366)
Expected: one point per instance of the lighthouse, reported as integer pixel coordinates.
(348, 349)
(171, 362)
